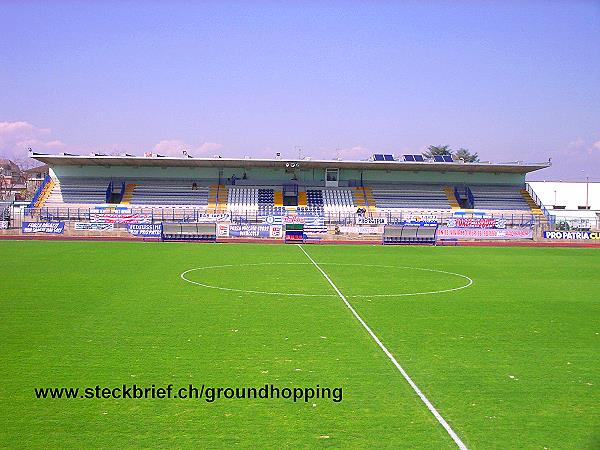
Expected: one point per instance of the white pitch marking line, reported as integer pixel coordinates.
(183, 277)
(247, 291)
(412, 384)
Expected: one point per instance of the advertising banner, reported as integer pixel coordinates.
(312, 224)
(93, 226)
(572, 235)
(476, 222)
(315, 224)
(145, 230)
(470, 213)
(292, 219)
(222, 229)
(250, 230)
(43, 227)
(276, 231)
(420, 217)
(361, 220)
(414, 223)
(484, 233)
(361, 230)
(213, 218)
(579, 223)
(120, 218)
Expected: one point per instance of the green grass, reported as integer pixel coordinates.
(510, 362)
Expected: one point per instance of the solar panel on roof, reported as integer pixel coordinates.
(388, 157)
(378, 157)
(448, 158)
(409, 158)
(419, 158)
(438, 158)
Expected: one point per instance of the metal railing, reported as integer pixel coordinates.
(329, 218)
(470, 197)
(39, 191)
(538, 202)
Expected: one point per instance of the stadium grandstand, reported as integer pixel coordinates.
(256, 188)
(335, 197)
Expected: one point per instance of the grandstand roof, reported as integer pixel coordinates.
(168, 161)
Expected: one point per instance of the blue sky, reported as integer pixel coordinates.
(510, 80)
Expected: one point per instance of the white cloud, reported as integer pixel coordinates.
(170, 147)
(576, 160)
(174, 147)
(356, 152)
(208, 147)
(17, 137)
(575, 146)
(581, 147)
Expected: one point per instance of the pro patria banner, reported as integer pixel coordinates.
(572, 235)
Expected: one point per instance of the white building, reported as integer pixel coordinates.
(577, 203)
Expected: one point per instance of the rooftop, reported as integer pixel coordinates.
(305, 163)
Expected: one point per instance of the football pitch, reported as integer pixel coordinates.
(502, 343)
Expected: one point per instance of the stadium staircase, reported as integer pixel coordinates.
(222, 198)
(278, 198)
(535, 209)
(302, 198)
(128, 194)
(359, 197)
(449, 190)
(363, 198)
(45, 193)
(217, 198)
(370, 200)
(212, 197)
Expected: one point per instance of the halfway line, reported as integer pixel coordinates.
(412, 384)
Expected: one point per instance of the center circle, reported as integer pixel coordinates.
(288, 279)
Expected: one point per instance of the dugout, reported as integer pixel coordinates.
(400, 234)
(189, 232)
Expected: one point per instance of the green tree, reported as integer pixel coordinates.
(437, 150)
(466, 155)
